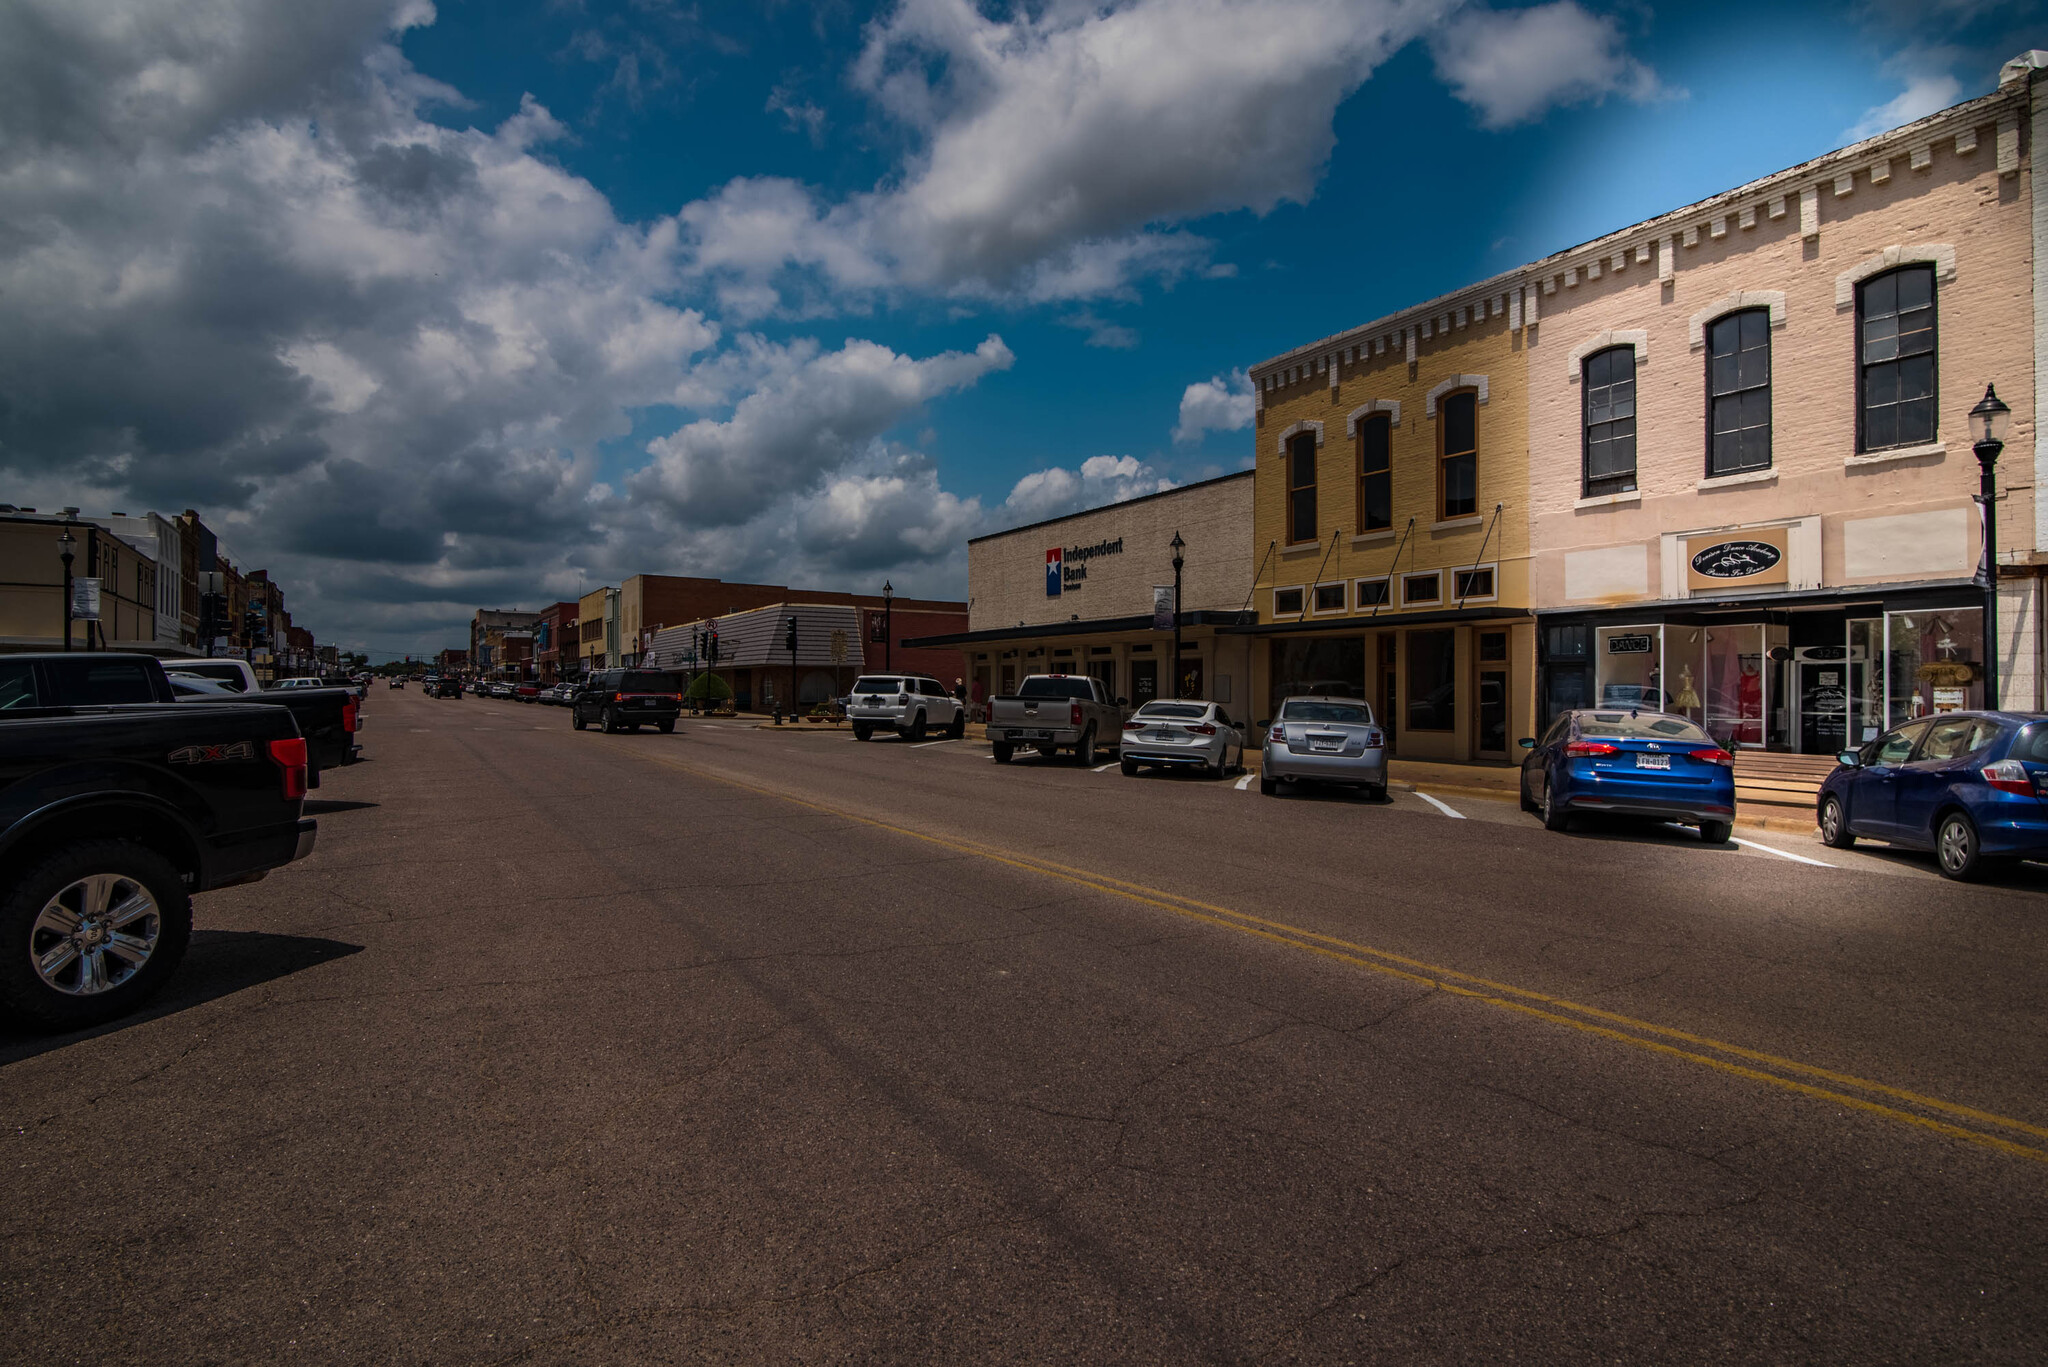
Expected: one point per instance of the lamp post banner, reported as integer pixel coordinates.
(1162, 607)
(85, 600)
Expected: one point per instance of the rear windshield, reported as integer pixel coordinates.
(1061, 686)
(1354, 714)
(225, 675)
(1171, 709)
(876, 684)
(650, 681)
(1640, 726)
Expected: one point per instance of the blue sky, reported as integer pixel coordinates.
(437, 306)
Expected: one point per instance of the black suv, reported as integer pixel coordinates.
(445, 688)
(628, 699)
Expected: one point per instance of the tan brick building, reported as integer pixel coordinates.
(1751, 481)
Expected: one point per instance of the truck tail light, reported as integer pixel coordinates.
(2009, 776)
(290, 756)
(1073, 714)
(1586, 749)
(1715, 756)
(618, 697)
(348, 723)
(1201, 728)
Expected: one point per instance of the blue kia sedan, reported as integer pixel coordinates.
(1631, 762)
(1966, 785)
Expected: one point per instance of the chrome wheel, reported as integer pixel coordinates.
(1831, 821)
(95, 934)
(1956, 847)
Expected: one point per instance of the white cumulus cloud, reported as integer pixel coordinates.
(1924, 94)
(1221, 403)
(1513, 65)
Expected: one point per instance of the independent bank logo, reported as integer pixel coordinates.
(1053, 572)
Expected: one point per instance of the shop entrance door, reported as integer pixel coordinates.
(1821, 695)
(1490, 699)
(1144, 681)
(1105, 670)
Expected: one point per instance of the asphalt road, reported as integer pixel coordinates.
(737, 1046)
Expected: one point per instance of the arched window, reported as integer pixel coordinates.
(1739, 393)
(1301, 487)
(1607, 380)
(1895, 373)
(1458, 455)
(1376, 472)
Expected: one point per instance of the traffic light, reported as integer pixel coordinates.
(789, 640)
(712, 650)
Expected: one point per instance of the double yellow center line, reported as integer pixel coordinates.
(1967, 1123)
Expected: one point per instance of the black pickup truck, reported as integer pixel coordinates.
(328, 718)
(111, 816)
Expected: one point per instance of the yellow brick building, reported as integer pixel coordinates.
(1392, 528)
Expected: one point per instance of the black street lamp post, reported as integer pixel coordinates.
(888, 624)
(1987, 425)
(65, 541)
(1178, 560)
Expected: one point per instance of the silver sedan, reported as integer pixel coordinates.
(1326, 740)
(1188, 734)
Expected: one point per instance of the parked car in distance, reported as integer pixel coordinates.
(1188, 734)
(1324, 738)
(1630, 762)
(445, 688)
(1054, 712)
(908, 704)
(526, 692)
(230, 673)
(628, 699)
(113, 814)
(1967, 785)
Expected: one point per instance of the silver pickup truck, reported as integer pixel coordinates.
(1055, 712)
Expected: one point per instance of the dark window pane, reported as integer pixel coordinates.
(1756, 408)
(1421, 588)
(1460, 423)
(1916, 287)
(1302, 526)
(1881, 384)
(1916, 377)
(1725, 373)
(1881, 296)
(1916, 420)
(1881, 426)
(1756, 327)
(1461, 486)
(1376, 502)
(1375, 448)
(1753, 368)
(1726, 335)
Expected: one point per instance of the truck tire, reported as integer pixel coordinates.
(1003, 752)
(958, 730)
(576, 722)
(667, 728)
(861, 730)
(97, 890)
(916, 731)
(1084, 753)
(609, 722)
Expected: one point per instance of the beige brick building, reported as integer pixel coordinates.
(1751, 480)
(1075, 595)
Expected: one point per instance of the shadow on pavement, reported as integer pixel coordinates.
(321, 806)
(218, 964)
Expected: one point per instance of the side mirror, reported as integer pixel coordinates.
(1123, 702)
(1527, 742)
(1266, 724)
(1849, 759)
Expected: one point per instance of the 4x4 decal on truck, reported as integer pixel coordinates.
(212, 754)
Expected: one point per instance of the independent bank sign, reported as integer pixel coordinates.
(1066, 567)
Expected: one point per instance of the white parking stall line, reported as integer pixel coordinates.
(1782, 854)
(926, 745)
(1443, 807)
(1100, 768)
(1244, 782)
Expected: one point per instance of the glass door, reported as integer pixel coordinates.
(1732, 683)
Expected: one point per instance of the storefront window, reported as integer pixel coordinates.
(1432, 680)
(1317, 664)
(1732, 683)
(1934, 662)
(1628, 667)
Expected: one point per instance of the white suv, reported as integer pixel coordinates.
(908, 704)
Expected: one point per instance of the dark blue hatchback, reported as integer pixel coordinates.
(1967, 785)
(1630, 762)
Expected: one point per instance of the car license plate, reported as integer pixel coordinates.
(1318, 743)
(1159, 735)
(1031, 735)
(1653, 761)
